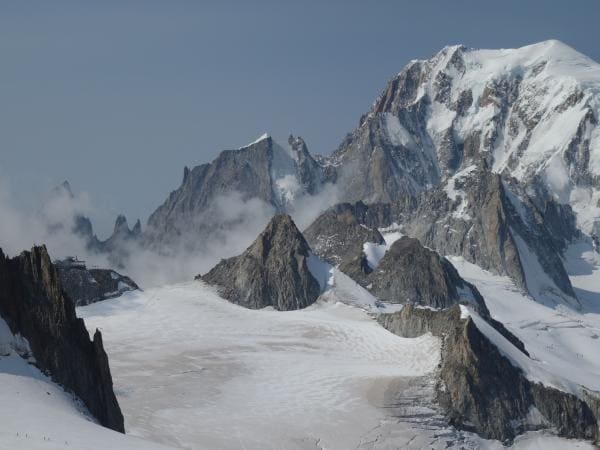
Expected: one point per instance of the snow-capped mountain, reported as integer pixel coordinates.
(530, 113)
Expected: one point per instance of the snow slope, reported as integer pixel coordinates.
(550, 72)
(558, 339)
(37, 414)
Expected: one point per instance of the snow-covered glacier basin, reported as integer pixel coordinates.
(193, 370)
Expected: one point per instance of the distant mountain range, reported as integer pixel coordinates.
(493, 155)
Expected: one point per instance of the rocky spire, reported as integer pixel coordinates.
(33, 305)
(63, 188)
(273, 271)
(121, 225)
(137, 228)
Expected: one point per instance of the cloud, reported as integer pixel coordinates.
(51, 225)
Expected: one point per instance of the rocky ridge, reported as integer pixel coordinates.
(273, 174)
(412, 274)
(482, 391)
(34, 306)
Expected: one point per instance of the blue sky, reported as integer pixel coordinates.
(117, 96)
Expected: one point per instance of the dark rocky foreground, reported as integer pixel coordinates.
(480, 390)
(85, 286)
(33, 305)
(273, 271)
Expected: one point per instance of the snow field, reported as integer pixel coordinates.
(196, 371)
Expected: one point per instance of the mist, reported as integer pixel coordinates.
(226, 228)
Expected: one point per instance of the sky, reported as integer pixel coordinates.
(118, 96)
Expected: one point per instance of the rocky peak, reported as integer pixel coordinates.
(297, 144)
(63, 188)
(137, 228)
(274, 174)
(121, 225)
(280, 233)
(122, 231)
(83, 227)
(273, 271)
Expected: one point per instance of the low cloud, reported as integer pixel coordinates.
(226, 228)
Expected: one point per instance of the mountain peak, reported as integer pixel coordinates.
(273, 271)
(262, 137)
(121, 224)
(63, 189)
(281, 230)
(137, 228)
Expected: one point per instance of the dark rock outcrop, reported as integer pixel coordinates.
(84, 286)
(481, 390)
(33, 304)
(410, 273)
(273, 271)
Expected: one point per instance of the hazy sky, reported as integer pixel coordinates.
(118, 96)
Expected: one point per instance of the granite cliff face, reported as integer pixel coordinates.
(33, 305)
(273, 271)
(273, 174)
(482, 391)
